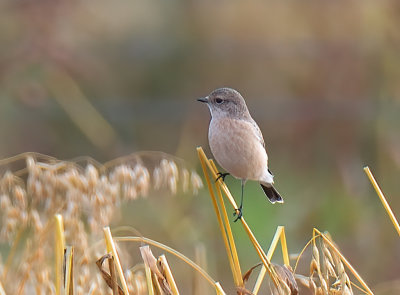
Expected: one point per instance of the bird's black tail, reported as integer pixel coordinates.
(271, 193)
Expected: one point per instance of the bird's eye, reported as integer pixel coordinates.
(218, 100)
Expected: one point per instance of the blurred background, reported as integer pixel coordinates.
(108, 78)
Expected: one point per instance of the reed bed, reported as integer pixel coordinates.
(52, 212)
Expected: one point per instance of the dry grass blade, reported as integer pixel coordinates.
(286, 279)
(110, 280)
(60, 246)
(383, 199)
(151, 262)
(279, 236)
(248, 273)
(165, 269)
(149, 280)
(69, 271)
(113, 276)
(112, 248)
(219, 289)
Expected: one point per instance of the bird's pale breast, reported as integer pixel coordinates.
(237, 148)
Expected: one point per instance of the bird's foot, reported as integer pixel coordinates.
(238, 213)
(222, 175)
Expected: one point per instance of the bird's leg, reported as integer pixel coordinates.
(238, 212)
(222, 175)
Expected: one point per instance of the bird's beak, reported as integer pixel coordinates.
(203, 99)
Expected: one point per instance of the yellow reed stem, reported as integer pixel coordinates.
(68, 281)
(111, 248)
(279, 236)
(266, 262)
(345, 261)
(206, 162)
(168, 275)
(285, 251)
(232, 244)
(223, 186)
(302, 251)
(59, 251)
(383, 199)
(235, 268)
(149, 281)
(219, 290)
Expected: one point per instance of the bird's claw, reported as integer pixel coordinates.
(221, 175)
(238, 213)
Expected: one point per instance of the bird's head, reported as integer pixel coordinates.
(226, 102)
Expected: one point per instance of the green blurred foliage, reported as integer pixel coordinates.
(321, 78)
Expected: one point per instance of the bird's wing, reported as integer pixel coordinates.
(257, 132)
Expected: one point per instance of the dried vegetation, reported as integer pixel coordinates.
(34, 188)
(54, 211)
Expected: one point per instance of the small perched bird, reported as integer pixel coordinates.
(237, 142)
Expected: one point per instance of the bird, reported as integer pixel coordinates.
(237, 143)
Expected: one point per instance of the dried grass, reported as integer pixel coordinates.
(329, 269)
(34, 188)
(74, 203)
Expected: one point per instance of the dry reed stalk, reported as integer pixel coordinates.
(383, 199)
(111, 248)
(113, 277)
(219, 289)
(227, 236)
(59, 251)
(68, 272)
(279, 236)
(168, 274)
(110, 278)
(206, 163)
(159, 280)
(149, 280)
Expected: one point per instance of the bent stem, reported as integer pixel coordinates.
(279, 236)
